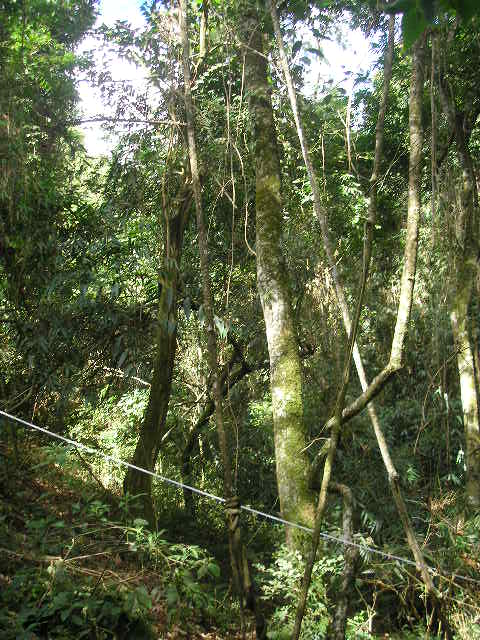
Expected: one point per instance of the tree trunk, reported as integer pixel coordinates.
(465, 265)
(466, 370)
(153, 425)
(296, 498)
(350, 554)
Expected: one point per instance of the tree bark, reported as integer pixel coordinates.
(153, 425)
(465, 266)
(350, 555)
(296, 498)
(459, 317)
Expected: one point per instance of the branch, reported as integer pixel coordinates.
(121, 374)
(173, 123)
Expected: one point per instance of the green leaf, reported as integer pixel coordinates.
(202, 572)
(413, 25)
(171, 595)
(214, 569)
(65, 614)
(76, 619)
(296, 48)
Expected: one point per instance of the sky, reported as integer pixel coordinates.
(356, 58)
(95, 139)
(344, 61)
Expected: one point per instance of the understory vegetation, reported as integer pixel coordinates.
(76, 563)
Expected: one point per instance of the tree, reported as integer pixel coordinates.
(238, 556)
(153, 424)
(465, 249)
(296, 499)
(38, 198)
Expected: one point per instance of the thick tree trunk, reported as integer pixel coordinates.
(296, 498)
(468, 391)
(465, 263)
(153, 425)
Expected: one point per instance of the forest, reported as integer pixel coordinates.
(240, 351)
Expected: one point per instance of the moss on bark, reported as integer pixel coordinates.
(292, 465)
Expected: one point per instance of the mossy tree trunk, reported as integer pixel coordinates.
(465, 266)
(459, 318)
(292, 466)
(153, 426)
(465, 261)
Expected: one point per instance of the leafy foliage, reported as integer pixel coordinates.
(81, 273)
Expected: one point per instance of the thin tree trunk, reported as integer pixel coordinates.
(203, 32)
(296, 498)
(240, 569)
(350, 555)
(153, 425)
(403, 315)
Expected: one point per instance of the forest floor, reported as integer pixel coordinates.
(71, 566)
(74, 564)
